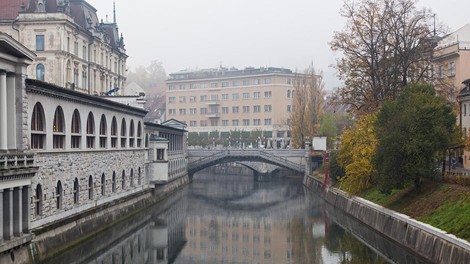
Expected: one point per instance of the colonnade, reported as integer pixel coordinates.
(7, 110)
(15, 215)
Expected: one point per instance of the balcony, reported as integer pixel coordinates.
(213, 115)
(213, 103)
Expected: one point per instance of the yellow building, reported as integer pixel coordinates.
(225, 100)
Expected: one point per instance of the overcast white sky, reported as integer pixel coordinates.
(198, 34)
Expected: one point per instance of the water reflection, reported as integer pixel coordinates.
(232, 219)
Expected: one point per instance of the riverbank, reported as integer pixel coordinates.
(432, 244)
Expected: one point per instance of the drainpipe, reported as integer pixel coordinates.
(90, 43)
(16, 29)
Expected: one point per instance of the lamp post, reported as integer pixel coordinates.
(229, 143)
(213, 142)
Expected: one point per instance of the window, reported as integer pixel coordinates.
(139, 177)
(123, 133)
(182, 99)
(131, 179)
(224, 110)
(75, 132)
(246, 109)
(139, 135)
(246, 122)
(203, 111)
(113, 182)
(171, 111)
(171, 87)
(203, 123)
(451, 69)
(39, 42)
(440, 71)
(203, 98)
(224, 84)
(192, 111)
(246, 96)
(58, 129)
(76, 191)
(267, 108)
(90, 188)
(246, 82)
(235, 83)
(131, 134)
(58, 195)
(235, 96)
(289, 81)
(192, 123)
(214, 110)
(256, 95)
(224, 97)
(234, 109)
(103, 137)
(90, 131)
(103, 184)
(182, 111)
(289, 108)
(224, 122)
(256, 122)
(123, 182)
(84, 52)
(171, 99)
(256, 81)
(256, 108)
(288, 94)
(40, 72)
(214, 85)
(192, 86)
(267, 80)
(75, 48)
(267, 94)
(114, 133)
(38, 131)
(267, 121)
(214, 122)
(192, 99)
(38, 200)
(214, 97)
(235, 122)
(182, 87)
(464, 109)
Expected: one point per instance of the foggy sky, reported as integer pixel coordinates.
(199, 34)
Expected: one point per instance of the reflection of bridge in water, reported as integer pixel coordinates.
(291, 159)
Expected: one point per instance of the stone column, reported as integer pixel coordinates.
(11, 111)
(3, 110)
(7, 213)
(26, 214)
(1, 215)
(17, 211)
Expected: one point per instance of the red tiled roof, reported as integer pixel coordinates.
(9, 9)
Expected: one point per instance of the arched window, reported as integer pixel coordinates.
(123, 179)
(40, 72)
(90, 187)
(113, 183)
(131, 134)
(114, 133)
(103, 184)
(139, 135)
(139, 177)
(131, 179)
(76, 191)
(90, 131)
(146, 140)
(58, 195)
(58, 129)
(75, 132)
(38, 197)
(38, 128)
(103, 136)
(123, 133)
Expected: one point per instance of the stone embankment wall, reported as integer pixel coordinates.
(430, 243)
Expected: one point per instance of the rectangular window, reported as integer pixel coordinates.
(464, 109)
(289, 108)
(214, 85)
(192, 86)
(214, 97)
(246, 122)
(182, 111)
(224, 84)
(224, 110)
(192, 99)
(235, 122)
(451, 69)
(256, 108)
(171, 87)
(203, 123)
(246, 96)
(192, 111)
(246, 109)
(214, 122)
(84, 53)
(182, 99)
(234, 109)
(171, 99)
(224, 96)
(203, 111)
(289, 81)
(214, 110)
(246, 82)
(267, 121)
(203, 98)
(235, 83)
(267, 80)
(267, 94)
(235, 96)
(172, 111)
(75, 49)
(256, 95)
(256, 81)
(256, 122)
(224, 122)
(182, 87)
(440, 71)
(192, 123)
(39, 42)
(267, 108)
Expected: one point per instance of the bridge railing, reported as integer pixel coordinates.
(272, 157)
(208, 159)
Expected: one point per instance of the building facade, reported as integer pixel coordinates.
(225, 100)
(74, 49)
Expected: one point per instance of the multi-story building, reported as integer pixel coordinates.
(225, 100)
(452, 67)
(74, 49)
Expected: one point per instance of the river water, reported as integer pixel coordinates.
(233, 219)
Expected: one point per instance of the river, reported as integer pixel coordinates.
(233, 219)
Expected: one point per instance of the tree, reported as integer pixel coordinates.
(307, 106)
(355, 156)
(386, 45)
(412, 134)
(328, 129)
(152, 78)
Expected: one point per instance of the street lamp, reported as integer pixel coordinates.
(229, 143)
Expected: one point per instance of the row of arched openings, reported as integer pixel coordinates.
(38, 131)
(59, 191)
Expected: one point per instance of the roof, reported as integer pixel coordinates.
(133, 89)
(10, 9)
(461, 35)
(10, 46)
(174, 123)
(224, 72)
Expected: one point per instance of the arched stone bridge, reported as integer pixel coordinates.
(292, 159)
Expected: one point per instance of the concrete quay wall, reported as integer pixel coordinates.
(428, 242)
